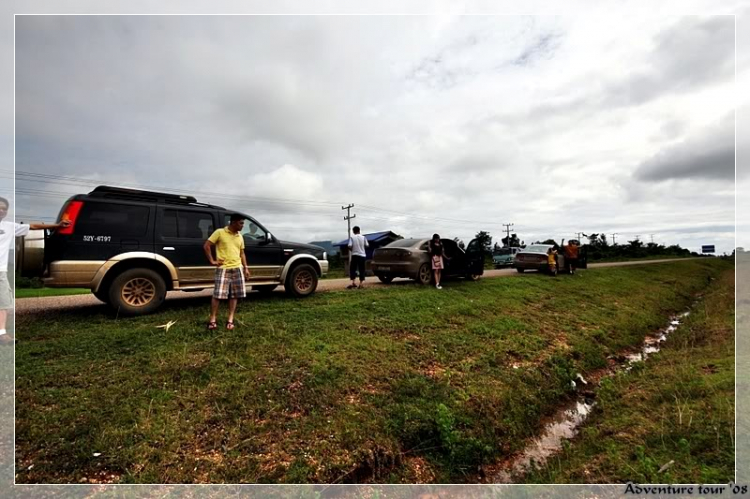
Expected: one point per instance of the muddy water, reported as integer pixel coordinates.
(566, 422)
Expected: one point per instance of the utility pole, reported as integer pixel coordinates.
(614, 241)
(507, 231)
(652, 238)
(579, 234)
(348, 219)
(637, 237)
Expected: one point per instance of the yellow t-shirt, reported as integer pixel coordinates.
(551, 258)
(228, 247)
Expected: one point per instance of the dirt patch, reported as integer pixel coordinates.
(434, 371)
(419, 469)
(709, 369)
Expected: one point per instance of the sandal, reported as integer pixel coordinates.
(212, 325)
(230, 325)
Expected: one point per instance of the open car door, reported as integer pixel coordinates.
(583, 256)
(474, 258)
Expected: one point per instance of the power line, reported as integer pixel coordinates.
(507, 229)
(67, 180)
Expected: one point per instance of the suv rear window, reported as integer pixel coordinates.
(125, 220)
(186, 224)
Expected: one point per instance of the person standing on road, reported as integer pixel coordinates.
(357, 245)
(8, 232)
(436, 256)
(571, 256)
(231, 267)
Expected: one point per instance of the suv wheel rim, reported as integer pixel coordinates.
(303, 281)
(138, 292)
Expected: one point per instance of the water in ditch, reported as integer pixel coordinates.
(566, 422)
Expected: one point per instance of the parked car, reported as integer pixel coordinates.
(410, 258)
(503, 257)
(130, 247)
(534, 257)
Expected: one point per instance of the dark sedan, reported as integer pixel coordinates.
(410, 258)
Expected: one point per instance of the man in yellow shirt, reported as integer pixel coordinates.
(231, 271)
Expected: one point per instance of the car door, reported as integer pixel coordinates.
(455, 260)
(263, 251)
(583, 256)
(474, 258)
(180, 235)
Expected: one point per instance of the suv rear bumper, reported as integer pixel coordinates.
(78, 273)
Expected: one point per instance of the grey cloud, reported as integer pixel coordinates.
(697, 229)
(691, 54)
(543, 47)
(688, 55)
(709, 155)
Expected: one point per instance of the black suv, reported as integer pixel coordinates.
(130, 247)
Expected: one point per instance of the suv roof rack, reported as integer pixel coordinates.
(105, 191)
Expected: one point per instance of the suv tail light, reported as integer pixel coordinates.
(71, 213)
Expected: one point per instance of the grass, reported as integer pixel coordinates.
(676, 408)
(337, 273)
(41, 292)
(634, 259)
(399, 384)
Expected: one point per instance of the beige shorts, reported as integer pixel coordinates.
(6, 294)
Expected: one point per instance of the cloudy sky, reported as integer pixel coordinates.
(449, 124)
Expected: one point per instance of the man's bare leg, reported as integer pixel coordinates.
(232, 308)
(214, 309)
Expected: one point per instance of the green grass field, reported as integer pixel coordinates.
(400, 384)
(41, 292)
(678, 408)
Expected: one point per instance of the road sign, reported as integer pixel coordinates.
(708, 249)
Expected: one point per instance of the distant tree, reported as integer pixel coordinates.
(485, 239)
(549, 241)
(512, 241)
(635, 243)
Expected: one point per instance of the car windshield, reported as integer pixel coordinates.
(538, 248)
(502, 252)
(403, 243)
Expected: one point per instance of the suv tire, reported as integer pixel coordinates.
(102, 295)
(137, 292)
(302, 280)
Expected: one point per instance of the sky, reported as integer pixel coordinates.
(445, 123)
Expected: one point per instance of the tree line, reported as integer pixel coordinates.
(596, 245)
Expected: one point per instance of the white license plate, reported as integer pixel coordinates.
(386, 269)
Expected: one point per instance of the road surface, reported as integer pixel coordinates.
(56, 303)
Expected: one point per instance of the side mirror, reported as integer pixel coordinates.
(269, 238)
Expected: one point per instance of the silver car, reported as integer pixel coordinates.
(534, 257)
